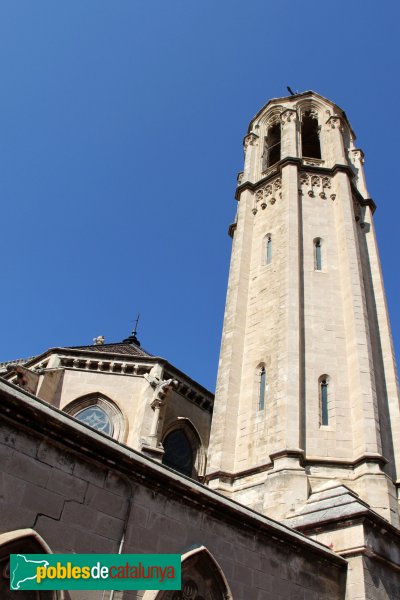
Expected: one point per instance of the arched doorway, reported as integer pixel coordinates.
(23, 541)
(202, 579)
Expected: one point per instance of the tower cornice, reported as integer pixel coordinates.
(304, 461)
(296, 97)
(248, 185)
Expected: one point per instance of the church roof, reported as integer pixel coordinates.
(128, 349)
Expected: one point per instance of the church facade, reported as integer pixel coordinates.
(285, 485)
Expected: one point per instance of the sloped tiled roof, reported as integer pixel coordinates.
(16, 361)
(126, 348)
(118, 348)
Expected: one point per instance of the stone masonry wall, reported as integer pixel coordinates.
(77, 488)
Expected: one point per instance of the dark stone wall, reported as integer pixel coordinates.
(78, 495)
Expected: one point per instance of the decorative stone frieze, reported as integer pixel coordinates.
(105, 366)
(316, 186)
(268, 194)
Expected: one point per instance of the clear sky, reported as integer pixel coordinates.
(121, 126)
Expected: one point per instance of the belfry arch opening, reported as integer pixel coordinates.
(310, 143)
(272, 151)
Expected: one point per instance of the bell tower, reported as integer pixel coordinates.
(307, 390)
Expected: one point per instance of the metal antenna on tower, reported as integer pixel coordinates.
(132, 339)
(134, 332)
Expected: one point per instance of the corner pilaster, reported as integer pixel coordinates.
(335, 131)
(289, 137)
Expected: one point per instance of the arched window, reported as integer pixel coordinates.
(272, 149)
(310, 144)
(317, 254)
(263, 384)
(96, 417)
(324, 396)
(178, 452)
(268, 249)
(100, 413)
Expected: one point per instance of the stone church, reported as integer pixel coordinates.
(285, 485)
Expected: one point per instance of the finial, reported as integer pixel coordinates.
(132, 339)
(99, 340)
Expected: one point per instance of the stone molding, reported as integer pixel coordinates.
(268, 194)
(319, 170)
(231, 478)
(135, 366)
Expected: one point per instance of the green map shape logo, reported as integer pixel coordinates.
(25, 569)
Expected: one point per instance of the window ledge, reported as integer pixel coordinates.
(269, 170)
(313, 162)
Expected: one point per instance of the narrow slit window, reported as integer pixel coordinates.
(324, 402)
(317, 255)
(272, 151)
(263, 383)
(310, 144)
(268, 250)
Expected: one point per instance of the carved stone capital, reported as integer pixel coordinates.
(288, 116)
(250, 139)
(335, 122)
(358, 155)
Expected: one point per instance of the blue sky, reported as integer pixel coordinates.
(121, 126)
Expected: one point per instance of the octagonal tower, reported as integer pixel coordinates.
(307, 389)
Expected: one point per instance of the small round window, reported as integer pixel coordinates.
(95, 417)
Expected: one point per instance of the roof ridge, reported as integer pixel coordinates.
(98, 347)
